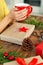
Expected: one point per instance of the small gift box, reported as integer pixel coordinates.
(17, 32)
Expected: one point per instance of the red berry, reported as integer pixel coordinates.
(5, 54)
(11, 58)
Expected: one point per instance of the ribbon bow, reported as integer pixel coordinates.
(21, 61)
(23, 29)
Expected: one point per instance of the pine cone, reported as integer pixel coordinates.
(27, 44)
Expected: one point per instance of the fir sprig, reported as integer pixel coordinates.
(32, 20)
(13, 53)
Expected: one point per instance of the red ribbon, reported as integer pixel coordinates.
(23, 29)
(21, 61)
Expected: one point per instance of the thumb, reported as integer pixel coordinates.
(15, 8)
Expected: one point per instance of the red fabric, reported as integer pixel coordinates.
(39, 49)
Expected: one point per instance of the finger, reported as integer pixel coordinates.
(18, 12)
(15, 9)
(21, 18)
(21, 14)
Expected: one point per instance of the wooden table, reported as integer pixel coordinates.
(10, 47)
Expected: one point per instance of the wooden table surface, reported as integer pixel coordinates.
(10, 47)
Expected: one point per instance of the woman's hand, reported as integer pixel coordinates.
(13, 14)
(18, 15)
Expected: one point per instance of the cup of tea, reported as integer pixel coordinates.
(21, 6)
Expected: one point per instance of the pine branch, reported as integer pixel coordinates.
(32, 20)
(4, 60)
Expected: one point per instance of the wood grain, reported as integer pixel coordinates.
(10, 47)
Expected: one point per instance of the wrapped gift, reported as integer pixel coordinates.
(39, 49)
(17, 32)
